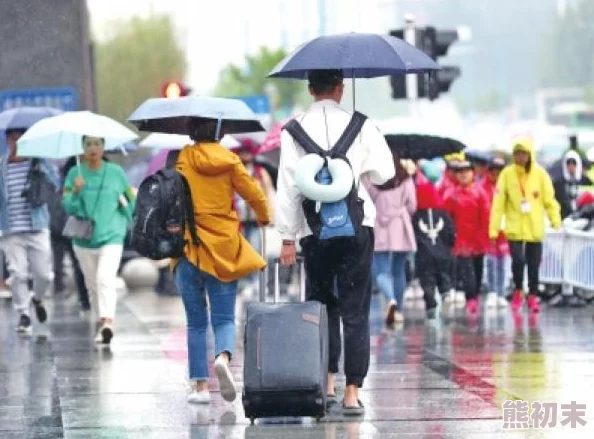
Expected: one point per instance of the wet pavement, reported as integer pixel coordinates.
(447, 378)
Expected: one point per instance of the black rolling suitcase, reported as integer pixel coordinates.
(286, 356)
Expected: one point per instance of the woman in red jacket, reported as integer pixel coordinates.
(468, 206)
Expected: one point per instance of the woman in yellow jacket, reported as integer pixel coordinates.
(214, 174)
(524, 195)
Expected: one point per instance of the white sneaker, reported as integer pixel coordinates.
(502, 302)
(225, 377)
(418, 291)
(449, 298)
(202, 397)
(409, 294)
(491, 301)
(460, 299)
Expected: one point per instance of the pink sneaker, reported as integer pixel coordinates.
(533, 304)
(517, 300)
(472, 306)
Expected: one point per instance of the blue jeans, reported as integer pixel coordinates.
(389, 274)
(496, 273)
(190, 281)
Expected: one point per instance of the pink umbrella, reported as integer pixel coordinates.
(272, 140)
(157, 162)
(270, 148)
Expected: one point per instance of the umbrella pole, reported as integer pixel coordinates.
(218, 133)
(354, 92)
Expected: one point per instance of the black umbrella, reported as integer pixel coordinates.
(417, 146)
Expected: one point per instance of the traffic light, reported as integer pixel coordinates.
(434, 43)
(174, 89)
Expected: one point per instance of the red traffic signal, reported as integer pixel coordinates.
(174, 89)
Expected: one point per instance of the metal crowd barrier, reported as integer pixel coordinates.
(568, 259)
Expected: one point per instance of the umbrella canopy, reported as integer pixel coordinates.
(172, 115)
(416, 146)
(178, 141)
(273, 139)
(478, 157)
(358, 55)
(25, 117)
(61, 136)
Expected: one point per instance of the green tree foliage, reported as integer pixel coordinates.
(133, 64)
(250, 79)
(569, 60)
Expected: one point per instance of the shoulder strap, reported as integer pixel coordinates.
(348, 135)
(300, 136)
(189, 210)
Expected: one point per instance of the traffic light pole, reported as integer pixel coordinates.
(411, 80)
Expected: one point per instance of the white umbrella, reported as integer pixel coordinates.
(178, 141)
(61, 136)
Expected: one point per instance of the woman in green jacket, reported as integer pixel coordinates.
(99, 191)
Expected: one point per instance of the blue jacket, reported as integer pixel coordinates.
(39, 216)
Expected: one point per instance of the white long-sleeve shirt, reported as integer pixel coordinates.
(325, 121)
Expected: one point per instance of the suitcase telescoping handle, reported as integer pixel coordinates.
(301, 264)
(263, 287)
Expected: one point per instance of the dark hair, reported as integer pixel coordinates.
(100, 138)
(20, 131)
(204, 130)
(400, 176)
(324, 81)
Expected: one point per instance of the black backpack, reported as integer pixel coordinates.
(39, 189)
(164, 199)
(343, 218)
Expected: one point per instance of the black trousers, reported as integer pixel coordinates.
(432, 273)
(346, 264)
(526, 254)
(469, 275)
(60, 247)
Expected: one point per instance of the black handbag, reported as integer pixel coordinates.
(39, 189)
(82, 227)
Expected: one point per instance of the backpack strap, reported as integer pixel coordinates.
(189, 210)
(302, 138)
(348, 135)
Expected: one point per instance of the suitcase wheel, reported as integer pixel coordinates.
(252, 420)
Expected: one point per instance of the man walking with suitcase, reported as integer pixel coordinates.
(336, 237)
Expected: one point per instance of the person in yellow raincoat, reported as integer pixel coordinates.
(524, 196)
(223, 256)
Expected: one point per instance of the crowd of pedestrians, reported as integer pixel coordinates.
(393, 215)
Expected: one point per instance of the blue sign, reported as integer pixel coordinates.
(62, 98)
(259, 104)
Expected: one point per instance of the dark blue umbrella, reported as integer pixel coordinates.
(25, 117)
(357, 55)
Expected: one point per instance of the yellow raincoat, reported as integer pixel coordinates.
(515, 185)
(214, 174)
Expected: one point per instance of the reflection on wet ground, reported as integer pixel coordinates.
(447, 378)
